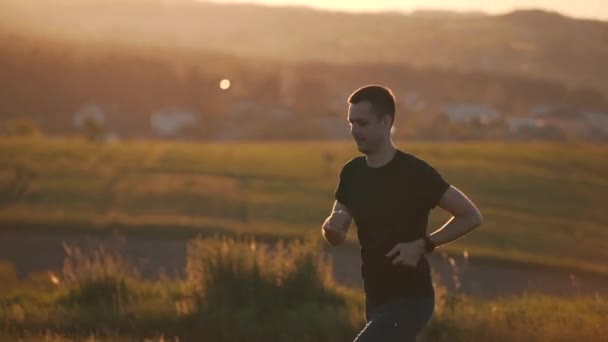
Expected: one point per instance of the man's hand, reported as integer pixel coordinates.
(338, 221)
(408, 253)
(336, 227)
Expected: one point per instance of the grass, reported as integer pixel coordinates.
(235, 290)
(247, 290)
(527, 318)
(541, 201)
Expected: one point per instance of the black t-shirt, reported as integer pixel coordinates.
(390, 204)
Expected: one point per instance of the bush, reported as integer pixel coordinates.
(8, 276)
(253, 291)
(97, 280)
(23, 128)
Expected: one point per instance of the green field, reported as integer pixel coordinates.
(542, 203)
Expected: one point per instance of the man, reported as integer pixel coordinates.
(389, 195)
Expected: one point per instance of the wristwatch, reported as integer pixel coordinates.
(429, 245)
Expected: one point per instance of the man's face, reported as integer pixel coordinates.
(366, 129)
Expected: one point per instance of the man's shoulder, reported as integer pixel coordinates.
(412, 160)
(424, 170)
(353, 163)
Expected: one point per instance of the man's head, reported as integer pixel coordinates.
(371, 114)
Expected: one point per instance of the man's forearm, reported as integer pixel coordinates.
(455, 228)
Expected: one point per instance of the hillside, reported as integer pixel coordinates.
(163, 92)
(531, 43)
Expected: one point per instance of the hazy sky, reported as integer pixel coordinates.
(596, 9)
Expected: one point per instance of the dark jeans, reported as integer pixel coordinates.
(397, 321)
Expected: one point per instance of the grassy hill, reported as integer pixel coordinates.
(533, 43)
(542, 203)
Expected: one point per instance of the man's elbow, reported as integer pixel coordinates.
(476, 218)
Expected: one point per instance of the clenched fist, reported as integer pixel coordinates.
(336, 227)
(338, 221)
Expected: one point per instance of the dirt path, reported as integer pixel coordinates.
(35, 252)
(487, 279)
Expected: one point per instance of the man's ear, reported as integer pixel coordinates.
(386, 121)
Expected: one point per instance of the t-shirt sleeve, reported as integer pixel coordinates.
(341, 192)
(434, 185)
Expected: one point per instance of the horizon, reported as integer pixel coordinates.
(590, 9)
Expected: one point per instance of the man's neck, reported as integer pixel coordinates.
(381, 157)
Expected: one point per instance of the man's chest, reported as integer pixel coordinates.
(384, 197)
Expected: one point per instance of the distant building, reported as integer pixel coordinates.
(574, 123)
(169, 121)
(466, 113)
(541, 110)
(598, 121)
(554, 111)
(517, 124)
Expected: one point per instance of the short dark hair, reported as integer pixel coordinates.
(381, 98)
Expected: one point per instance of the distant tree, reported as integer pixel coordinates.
(24, 127)
(93, 130)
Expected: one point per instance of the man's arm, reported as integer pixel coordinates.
(335, 228)
(466, 217)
